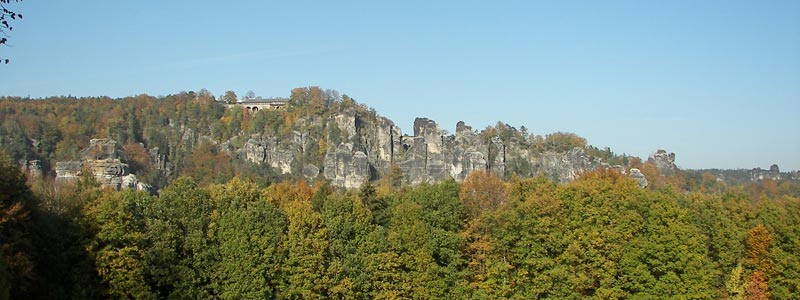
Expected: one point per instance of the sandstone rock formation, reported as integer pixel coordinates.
(68, 170)
(758, 174)
(430, 155)
(264, 149)
(345, 167)
(665, 162)
(106, 162)
(637, 174)
(31, 168)
(355, 145)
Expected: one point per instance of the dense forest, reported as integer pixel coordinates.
(601, 236)
(217, 227)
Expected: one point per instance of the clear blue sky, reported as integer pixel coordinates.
(716, 82)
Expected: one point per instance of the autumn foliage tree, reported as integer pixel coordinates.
(757, 287)
(16, 268)
(758, 242)
(482, 191)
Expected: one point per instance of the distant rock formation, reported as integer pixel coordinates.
(106, 162)
(430, 155)
(345, 167)
(665, 162)
(68, 170)
(758, 174)
(263, 149)
(31, 168)
(637, 174)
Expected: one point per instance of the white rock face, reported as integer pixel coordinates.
(260, 149)
(637, 174)
(345, 167)
(68, 170)
(431, 156)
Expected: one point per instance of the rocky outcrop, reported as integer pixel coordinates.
(31, 168)
(310, 172)
(101, 149)
(68, 170)
(345, 167)
(263, 149)
(665, 162)
(160, 161)
(106, 162)
(565, 166)
(758, 174)
(430, 155)
(637, 174)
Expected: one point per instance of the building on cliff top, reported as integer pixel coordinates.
(256, 104)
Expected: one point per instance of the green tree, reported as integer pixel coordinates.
(248, 230)
(349, 227)
(303, 273)
(16, 267)
(180, 255)
(230, 97)
(120, 244)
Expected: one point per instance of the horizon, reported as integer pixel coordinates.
(717, 83)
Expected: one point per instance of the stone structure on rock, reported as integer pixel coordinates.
(665, 162)
(256, 104)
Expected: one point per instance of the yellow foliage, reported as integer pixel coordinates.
(286, 192)
(482, 191)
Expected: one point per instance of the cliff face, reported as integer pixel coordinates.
(362, 147)
(430, 155)
(265, 149)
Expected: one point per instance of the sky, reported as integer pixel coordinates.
(716, 82)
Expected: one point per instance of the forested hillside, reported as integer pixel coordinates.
(319, 134)
(600, 236)
(225, 220)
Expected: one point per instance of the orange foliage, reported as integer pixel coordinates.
(656, 180)
(286, 192)
(207, 165)
(758, 242)
(138, 157)
(756, 287)
(482, 191)
(612, 175)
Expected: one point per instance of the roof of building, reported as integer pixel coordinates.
(260, 100)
